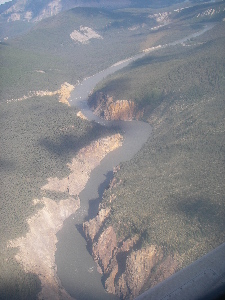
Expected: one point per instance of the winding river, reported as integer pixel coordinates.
(75, 266)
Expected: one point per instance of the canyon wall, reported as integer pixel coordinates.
(105, 107)
(128, 267)
(36, 250)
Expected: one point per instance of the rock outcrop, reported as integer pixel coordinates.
(36, 250)
(84, 35)
(20, 10)
(127, 267)
(34, 11)
(105, 107)
(92, 227)
(81, 115)
(63, 93)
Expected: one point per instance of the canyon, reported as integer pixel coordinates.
(127, 266)
(37, 248)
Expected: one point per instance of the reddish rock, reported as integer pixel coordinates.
(103, 250)
(105, 107)
(91, 228)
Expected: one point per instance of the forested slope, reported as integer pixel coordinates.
(40, 136)
(171, 194)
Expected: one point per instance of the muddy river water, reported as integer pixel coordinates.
(75, 266)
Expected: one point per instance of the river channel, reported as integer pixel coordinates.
(75, 266)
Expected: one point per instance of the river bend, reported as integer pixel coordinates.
(75, 266)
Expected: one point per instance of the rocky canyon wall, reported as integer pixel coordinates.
(106, 107)
(128, 268)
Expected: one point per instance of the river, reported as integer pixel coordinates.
(75, 266)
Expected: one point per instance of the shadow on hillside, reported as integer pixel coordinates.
(68, 144)
(204, 210)
(148, 60)
(116, 84)
(25, 287)
(7, 165)
(94, 203)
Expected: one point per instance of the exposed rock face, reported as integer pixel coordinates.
(84, 35)
(127, 268)
(29, 10)
(20, 11)
(52, 9)
(81, 115)
(105, 107)
(139, 265)
(91, 228)
(81, 166)
(36, 250)
(103, 250)
(63, 93)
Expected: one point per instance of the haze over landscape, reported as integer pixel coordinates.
(112, 144)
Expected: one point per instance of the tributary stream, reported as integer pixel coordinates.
(75, 266)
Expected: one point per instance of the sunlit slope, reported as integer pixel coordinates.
(190, 70)
(69, 47)
(171, 194)
(53, 35)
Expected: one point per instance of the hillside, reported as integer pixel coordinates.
(50, 47)
(40, 136)
(165, 208)
(17, 16)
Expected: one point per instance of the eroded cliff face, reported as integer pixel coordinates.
(21, 10)
(128, 268)
(36, 250)
(105, 107)
(63, 93)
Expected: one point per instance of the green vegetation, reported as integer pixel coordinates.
(39, 136)
(190, 71)
(172, 192)
(52, 37)
(48, 47)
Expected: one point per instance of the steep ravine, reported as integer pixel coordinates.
(76, 269)
(126, 265)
